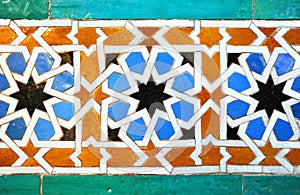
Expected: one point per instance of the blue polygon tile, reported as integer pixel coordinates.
(164, 129)
(183, 110)
(63, 81)
(296, 84)
(64, 110)
(163, 63)
(136, 62)
(237, 109)
(3, 83)
(256, 62)
(16, 129)
(296, 110)
(284, 63)
(118, 82)
(238, 82)
(16, 63)
(44, 130)
(118, 110)
(282, 130)
(43, 63)
(256, 129)
(3, 108)
(137, 129)
(183, 82)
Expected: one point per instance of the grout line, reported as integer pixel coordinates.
(253, 10)
(242, 184)
(49, 10)
(41, 184)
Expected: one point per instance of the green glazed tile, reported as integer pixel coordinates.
(164, 9)
(218, 184)
(271, 185)
(20, 184)
(24, 9)
(277, 9)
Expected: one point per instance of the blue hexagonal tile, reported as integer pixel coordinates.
(164, 129)
(183, 82)
(237, 109)
(183, 110)
(238, 82)
(137, 129)
(136, 62)
(44, 129)
(164, 62)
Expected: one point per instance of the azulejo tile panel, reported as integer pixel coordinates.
(149, 97)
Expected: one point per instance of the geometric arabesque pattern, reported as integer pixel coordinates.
(149, 97)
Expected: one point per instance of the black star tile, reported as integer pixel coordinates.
(270, 97)
(31, 96)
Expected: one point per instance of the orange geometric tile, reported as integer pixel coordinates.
(60, 157)
(30, 42)
(210, 36)
(87, 36)
(270, 153)
(177, 37)
(91, 125)
(8, 157)
(121, 157)
(88, 159)
(99, 95)
(293, 156)
(57, 35)
(111, 31)
(123, 37)
(240, 156)
(30, 150)
(180, 157)
(90, 67)
(7, 35)
(270, 42)
(293, 36)
(186, 30)
(211, 155)
(241, 36)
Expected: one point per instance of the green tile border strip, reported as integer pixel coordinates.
(20, 184)
(162, 9)
(104, 184)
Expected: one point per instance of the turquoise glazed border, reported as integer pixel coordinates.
(209, 184)
(135, 9)
(163, 9)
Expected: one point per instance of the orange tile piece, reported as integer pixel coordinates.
(151, 151)
(212, 156)
(89, 67)
(204, 95)
(7, 35)
(88, 159)
(29, 42)
(87, 36)
(8, 157)
(59, 157)
(185, 30)
(270, 42)
(83, 95)
(31, 162)
(270, 153)
(98, 95)
(217, 95)
(210, 124)
(177, 37)
(216, 58)
(30, 150)
(180, 157)
(149, 41)
(121, 157)
(209, 68)
(241, 36)
(91, 125)
(57, 36)
(294, 156)
(123, 37)
(240, 156)
(149, 31)
(293, 36)
(210, 36)
(111, 31)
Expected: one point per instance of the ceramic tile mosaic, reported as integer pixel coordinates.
(149, 97)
